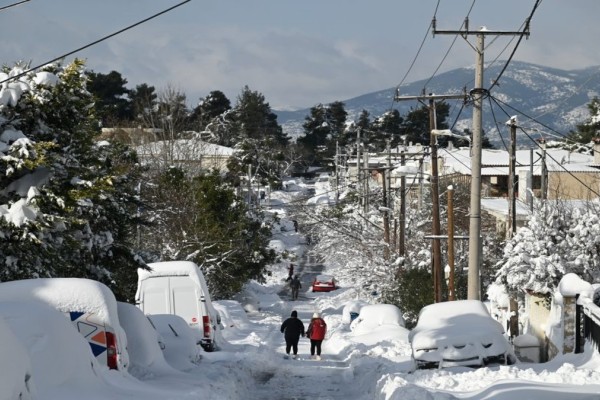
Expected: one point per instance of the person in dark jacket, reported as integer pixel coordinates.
(292, 328)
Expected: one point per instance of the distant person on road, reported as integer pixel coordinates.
(290, 272)
(295, 225)
(317, 328)
(292, 328)
(296, 286)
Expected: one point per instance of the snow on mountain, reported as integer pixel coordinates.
(557, 98)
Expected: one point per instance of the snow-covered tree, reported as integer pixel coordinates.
(68, 203)
(559, 239)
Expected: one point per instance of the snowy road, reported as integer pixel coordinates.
(302, 378)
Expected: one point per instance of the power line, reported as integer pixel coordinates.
(525, 33)
(94, 42)
(14, 4)
(451, 45)
(556, 161)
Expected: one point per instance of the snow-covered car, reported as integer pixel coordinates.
(373, 316)
(60, 356)
(458, 333)
(16, 371)
(181, 350)
(379, 323)
(323, 283)
(89, 305)
(351, 310)
(144, 344)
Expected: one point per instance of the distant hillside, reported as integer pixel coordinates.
(557, 98)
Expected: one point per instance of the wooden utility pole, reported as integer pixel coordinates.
(512, 181)
(478, 93)
(437, 272)
(401, 242)
(451, 242)
(386, 218)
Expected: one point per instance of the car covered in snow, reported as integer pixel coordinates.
(323, 283)
(373, 316)
(181, 350)
(458, 333)
(15, 374)
(89, 305)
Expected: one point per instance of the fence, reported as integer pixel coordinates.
(587, 324)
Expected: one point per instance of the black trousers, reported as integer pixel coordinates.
(315, 344)
(291, 344)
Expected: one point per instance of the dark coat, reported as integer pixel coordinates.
(292, 328)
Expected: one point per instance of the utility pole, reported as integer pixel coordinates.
(478, 93)
(386, 218)
(401, 242)
(544, 194)
(358, 177)
(337, 172)
(530, 189)
(437, 271)
(451, 242)
(512, 181)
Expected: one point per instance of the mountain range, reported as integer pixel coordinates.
(556, 98)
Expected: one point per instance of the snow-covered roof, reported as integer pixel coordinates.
(496, 162)
(183, 149)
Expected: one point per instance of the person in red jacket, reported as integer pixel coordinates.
(316, 333)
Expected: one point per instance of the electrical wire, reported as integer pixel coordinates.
(525, 29)
(559, 134)
(450, 48)
(14, 4)
(17, 76)
(553, 159)
(412, 64)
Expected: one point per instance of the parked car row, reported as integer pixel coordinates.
(448, 334)
(79, 325)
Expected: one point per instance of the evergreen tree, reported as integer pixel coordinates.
(76, 198)
(416, 125)
(112, 105)
(587, 131)
(258, 137)
(324, 127)
(201, 219)
(143, 101)
(209, 111)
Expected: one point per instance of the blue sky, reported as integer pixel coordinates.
(297, 53)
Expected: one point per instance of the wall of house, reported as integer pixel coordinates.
(573, 186)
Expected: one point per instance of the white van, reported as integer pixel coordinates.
(90, 306)
(179, 288)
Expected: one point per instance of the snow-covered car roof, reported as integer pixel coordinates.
(458, 333)
(66, 295)
(324, 278)
(373, 316)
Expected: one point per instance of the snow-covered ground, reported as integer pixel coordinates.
(359, 364)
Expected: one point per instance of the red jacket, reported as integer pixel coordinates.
(317, 329)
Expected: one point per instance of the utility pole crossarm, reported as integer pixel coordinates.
(482, 32)
(433, 97)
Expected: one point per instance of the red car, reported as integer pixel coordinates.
(323, 283)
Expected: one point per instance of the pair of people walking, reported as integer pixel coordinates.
(293, 329)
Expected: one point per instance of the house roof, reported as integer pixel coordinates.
(496, 162)
(183, 149)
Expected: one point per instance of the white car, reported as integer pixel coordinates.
(144, 344)
(15, 375)
(373, 317)
(458, 333)
(181, 350)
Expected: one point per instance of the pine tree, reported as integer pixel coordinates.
(77, 196)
